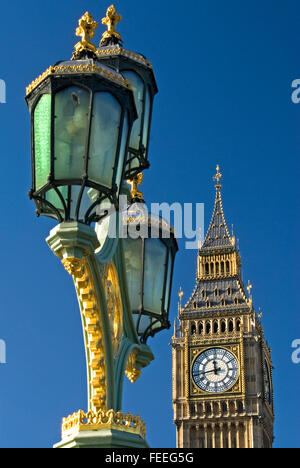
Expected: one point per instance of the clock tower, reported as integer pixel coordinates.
(222, 367)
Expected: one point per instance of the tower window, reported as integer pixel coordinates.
(207, 269)
(208, 328)
(231, 326)
(227, 268)
(222, 268)
(217, 268)
(200, 328)
(223, 327)
(216, 327)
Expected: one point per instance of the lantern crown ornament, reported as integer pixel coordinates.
(111, 36)
(139, 72)
(86, 30)
(82, 112)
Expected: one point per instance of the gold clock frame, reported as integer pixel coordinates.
(236, 348)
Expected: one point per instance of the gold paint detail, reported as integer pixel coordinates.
(135, 182)
(85, 30)
(114, 51)
(79, 69)
(101, 420)
(81, 272)
(111, 20)
(131, 371)
(114, 304)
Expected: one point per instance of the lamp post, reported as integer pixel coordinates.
(90, 124)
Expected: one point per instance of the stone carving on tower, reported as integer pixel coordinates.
(222, 367)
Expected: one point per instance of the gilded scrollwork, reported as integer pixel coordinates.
(131, 371)
(114, 305)
(80, 270)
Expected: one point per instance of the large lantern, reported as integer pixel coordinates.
(150, 247)
(138, 70)
(82, 113)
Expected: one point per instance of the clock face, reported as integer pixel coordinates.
(215, 370)
(267, 383)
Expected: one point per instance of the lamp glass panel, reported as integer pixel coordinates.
(168, 285)
(144, 324)
(42, 139)
(85, 202)
(52, 197)
(133, 251)
(138, 91)
(154, 275)
(70, 132)
(105, 130)
(146, 118)
(122, 155)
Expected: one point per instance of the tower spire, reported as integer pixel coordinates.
(218, 234)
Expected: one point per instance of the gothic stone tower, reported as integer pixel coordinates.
(222, 368)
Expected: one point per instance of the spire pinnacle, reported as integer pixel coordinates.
(111, 36)
(218, 177)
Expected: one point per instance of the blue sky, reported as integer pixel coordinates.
(224, 71)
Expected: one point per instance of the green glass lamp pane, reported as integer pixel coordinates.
(106, 117)
(155, 267)
(42, 138)
(52, 197)
(138, 91)
(133, 251)
(70, 132)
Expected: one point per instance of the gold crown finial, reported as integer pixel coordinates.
(111, 36)
(218, 175)
(85, 30)
(135, 182)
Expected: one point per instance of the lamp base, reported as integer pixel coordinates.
(103, 439)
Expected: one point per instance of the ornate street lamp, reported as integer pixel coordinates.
(81, 117)
(150, 247)
(138, 70)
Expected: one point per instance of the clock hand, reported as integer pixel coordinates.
(202, 373)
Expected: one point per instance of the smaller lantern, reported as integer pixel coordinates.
(138, 71)
(81, 117)
(150, 247)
